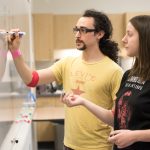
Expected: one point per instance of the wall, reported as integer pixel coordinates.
(78, 6)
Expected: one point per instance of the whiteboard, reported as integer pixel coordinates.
(13, 92)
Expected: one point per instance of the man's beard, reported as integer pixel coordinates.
(83, 47)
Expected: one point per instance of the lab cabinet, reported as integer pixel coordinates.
(45, 130)
(53, 32)
(118, 23)
(43, 36)
(63, 29)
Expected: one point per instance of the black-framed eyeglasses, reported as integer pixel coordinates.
(82, 30)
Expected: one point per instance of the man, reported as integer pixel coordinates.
(93, 75)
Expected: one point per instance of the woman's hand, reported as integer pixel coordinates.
(122, 138)
(72, 100)
(14, 39)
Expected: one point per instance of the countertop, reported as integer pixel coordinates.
(48, 113)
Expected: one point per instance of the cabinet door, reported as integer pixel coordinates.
(45, 129)
(118, 24)
(128, 16)
(43, 36)
(64, 37)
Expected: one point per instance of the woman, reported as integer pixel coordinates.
(131, 114)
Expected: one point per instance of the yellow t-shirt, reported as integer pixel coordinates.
(97, 82)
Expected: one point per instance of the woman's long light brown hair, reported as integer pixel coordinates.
(141, 67)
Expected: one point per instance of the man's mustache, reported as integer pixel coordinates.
(79, 41)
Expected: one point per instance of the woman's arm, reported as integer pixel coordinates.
(142, 135)
(103, 114)
(124, 138)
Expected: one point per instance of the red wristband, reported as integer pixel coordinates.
(16, 53)
(35, 79)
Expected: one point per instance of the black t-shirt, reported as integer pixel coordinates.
(132, 110)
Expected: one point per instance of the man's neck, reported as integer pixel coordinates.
(92, 55)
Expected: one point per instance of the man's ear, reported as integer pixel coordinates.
(100, 34)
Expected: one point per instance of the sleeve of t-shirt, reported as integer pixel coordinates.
(115, 82)
(58, 69)
(124, 78)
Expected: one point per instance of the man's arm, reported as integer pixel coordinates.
(103, 114)
(26, 73)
